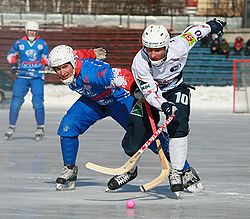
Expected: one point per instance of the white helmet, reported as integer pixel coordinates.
(31, 25)
(155, 36)
(62, 54)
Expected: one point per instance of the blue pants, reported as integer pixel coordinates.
(20, 89)
(84, 113)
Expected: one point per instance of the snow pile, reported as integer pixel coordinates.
(203, 98)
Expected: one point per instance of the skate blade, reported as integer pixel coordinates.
(111, 190)
(196, 188)
(177, 195)
(8, 137)
(39, 138)
(65, 187)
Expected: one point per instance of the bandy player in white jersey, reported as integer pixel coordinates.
(158, 72)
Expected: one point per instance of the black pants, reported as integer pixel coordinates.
(139, 128)
(180, 96)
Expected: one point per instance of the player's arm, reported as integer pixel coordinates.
(123, 78)
(153, 94)
(146, 84)
(96, 53)
(45, 60)
(13, 57)
(192, 34)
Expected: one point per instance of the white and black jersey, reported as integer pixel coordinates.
(155, 80)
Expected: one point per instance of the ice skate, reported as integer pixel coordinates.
(175, 181)
(39, 135)
(68, 178)
(118, 181)
(191, 181)
(10, 132)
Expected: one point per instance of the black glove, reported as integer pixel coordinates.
(217, 26)
(47, 68)
(13, 68)
(168, 108)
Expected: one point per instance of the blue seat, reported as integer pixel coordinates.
(204, 68)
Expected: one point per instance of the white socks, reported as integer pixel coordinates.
(178, 152)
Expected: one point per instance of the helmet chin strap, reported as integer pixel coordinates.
(70, 79)
(159, 62)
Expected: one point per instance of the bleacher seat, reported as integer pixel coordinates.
(204, 68)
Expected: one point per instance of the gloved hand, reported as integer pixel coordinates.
(100, 53)
(48, 70)
(13, 68)
(217, 26)
(46, 67)
(168, 108)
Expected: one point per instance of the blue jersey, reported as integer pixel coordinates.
(30, 57)
(94, 80)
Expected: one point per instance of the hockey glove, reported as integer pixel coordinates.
(48, 70)
(100, 53)
(13, 68)
(217, 26)
(168, 108)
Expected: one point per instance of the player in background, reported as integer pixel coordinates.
(158, 71)
(27, 57)
(102, 94)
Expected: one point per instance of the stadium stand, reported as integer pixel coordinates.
(202, 68)
(121, 44)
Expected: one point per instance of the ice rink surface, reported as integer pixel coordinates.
(219, 150)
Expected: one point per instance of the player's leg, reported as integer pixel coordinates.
(37, 90)
(178, 131)
(78, 119)
(20, 89)
(178, 146)
(119, 110)
(138, 131)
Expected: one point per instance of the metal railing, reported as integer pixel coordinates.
(224, 8)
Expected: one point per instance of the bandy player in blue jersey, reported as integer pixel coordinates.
(103, 94)
(28, 57)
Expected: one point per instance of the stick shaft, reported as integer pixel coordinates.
(163, 160)
(132, 161)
